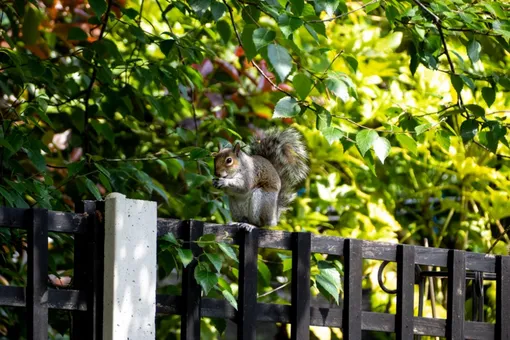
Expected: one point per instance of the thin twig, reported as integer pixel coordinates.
(274, 290)
(253, 61)
(487, 149)
(344, 14)
(88, 92)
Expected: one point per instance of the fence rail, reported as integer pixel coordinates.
(131, 225)
(83, 300)
(350, 317)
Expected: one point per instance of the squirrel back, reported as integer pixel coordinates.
(285, 150)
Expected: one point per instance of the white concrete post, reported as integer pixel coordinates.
(130, 268)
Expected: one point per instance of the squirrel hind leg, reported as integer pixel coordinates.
(268, 212)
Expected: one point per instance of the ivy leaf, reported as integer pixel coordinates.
(262, 37)
(382, 148)
(286, 107)
(352, 62)
(288, 24)
(365, 139)
(280, 59)
(230, 298)
(224, 30)
(185, 255)
(302, 85)
(408, 143)
(93, 189)
(468, 130)
(99, 7)
(227, 250)
(489, 95)
(473, 50)
(216, 261)
(328, 280)
(205, 278)
(247, 38)
(332, 134)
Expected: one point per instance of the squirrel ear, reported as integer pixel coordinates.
(214, 154)
(219, 146)
(237, 149)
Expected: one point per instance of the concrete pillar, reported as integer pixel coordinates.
(130, 268)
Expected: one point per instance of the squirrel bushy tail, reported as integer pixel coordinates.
(287, 152)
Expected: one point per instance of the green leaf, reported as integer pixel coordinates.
(185, 255)
(323, 120)
(216, 260)
(352, 62)
(338, 87)
(382, 148)
(199, 6)
(169, 237)
(489, 95)
(131, 13)
(5, 144)
(476, 110)
(457, 83)
(288, 24)
(280, 60)
(365, 139)
(103, 129)
(328, 280)
(262, 37)
(230, 298)
(422, 128)
(30, 27)
(491, 138)
(264, 273)
(297, 6)
(302, 85)
(102, 170)
(286, 107)
(287, 264)
(99, 7)
(469, 82)
(93, 189)
(329, 6)
(76, 33)
(247, 39)
(224, 30)
(443, 138)
(166, 46)
(227, 250)
(473, 50)
(205, 278)
(408, 143)
(332, 134)
(468, 130)
(217, 10)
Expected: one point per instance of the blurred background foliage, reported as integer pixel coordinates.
(404, 106)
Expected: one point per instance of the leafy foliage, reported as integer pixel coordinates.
(403, 104)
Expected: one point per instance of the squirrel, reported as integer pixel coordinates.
(260, 185)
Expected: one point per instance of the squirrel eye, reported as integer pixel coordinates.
(229, 160)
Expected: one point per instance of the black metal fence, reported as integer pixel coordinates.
(85, 297)
(458, 267)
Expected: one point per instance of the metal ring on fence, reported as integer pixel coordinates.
(379, 279)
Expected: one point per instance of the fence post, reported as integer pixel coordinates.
(130, 268)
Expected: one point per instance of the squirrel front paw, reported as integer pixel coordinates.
(218, 183)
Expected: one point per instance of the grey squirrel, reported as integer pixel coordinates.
(260, 185)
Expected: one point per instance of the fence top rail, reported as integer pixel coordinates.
(372, 250)
(58, 221)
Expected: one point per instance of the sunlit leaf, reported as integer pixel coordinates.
(382, 148)
(280, 59)
(286, 107)
(365, 139)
